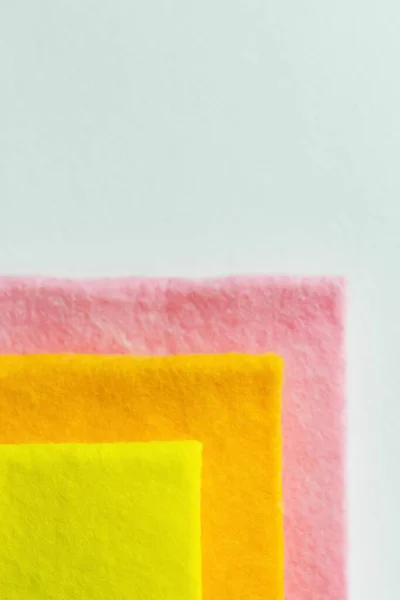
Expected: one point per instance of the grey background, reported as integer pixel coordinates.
(202, 138)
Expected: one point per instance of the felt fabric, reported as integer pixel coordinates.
(83, 521)
(299, 318)
(231, 403)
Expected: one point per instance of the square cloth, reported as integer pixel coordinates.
(302, 319)
(106, 521)
(231, 403)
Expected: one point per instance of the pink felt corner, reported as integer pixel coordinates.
(299, 318)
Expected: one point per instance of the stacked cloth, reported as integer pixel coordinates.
(172, 439)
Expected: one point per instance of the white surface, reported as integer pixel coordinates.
(200, 138)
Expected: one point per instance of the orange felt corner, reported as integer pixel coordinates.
(230, 403)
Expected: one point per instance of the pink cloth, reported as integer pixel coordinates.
(299, 318)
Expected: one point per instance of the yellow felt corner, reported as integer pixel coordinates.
(103, 521)
(231, 403)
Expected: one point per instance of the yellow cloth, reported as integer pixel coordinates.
(104, 521)
(230, 403)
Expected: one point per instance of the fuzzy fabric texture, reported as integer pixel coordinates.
(85, 522)
(302, 319)
(230, 403)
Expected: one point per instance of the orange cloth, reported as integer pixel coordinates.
(230, 403)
